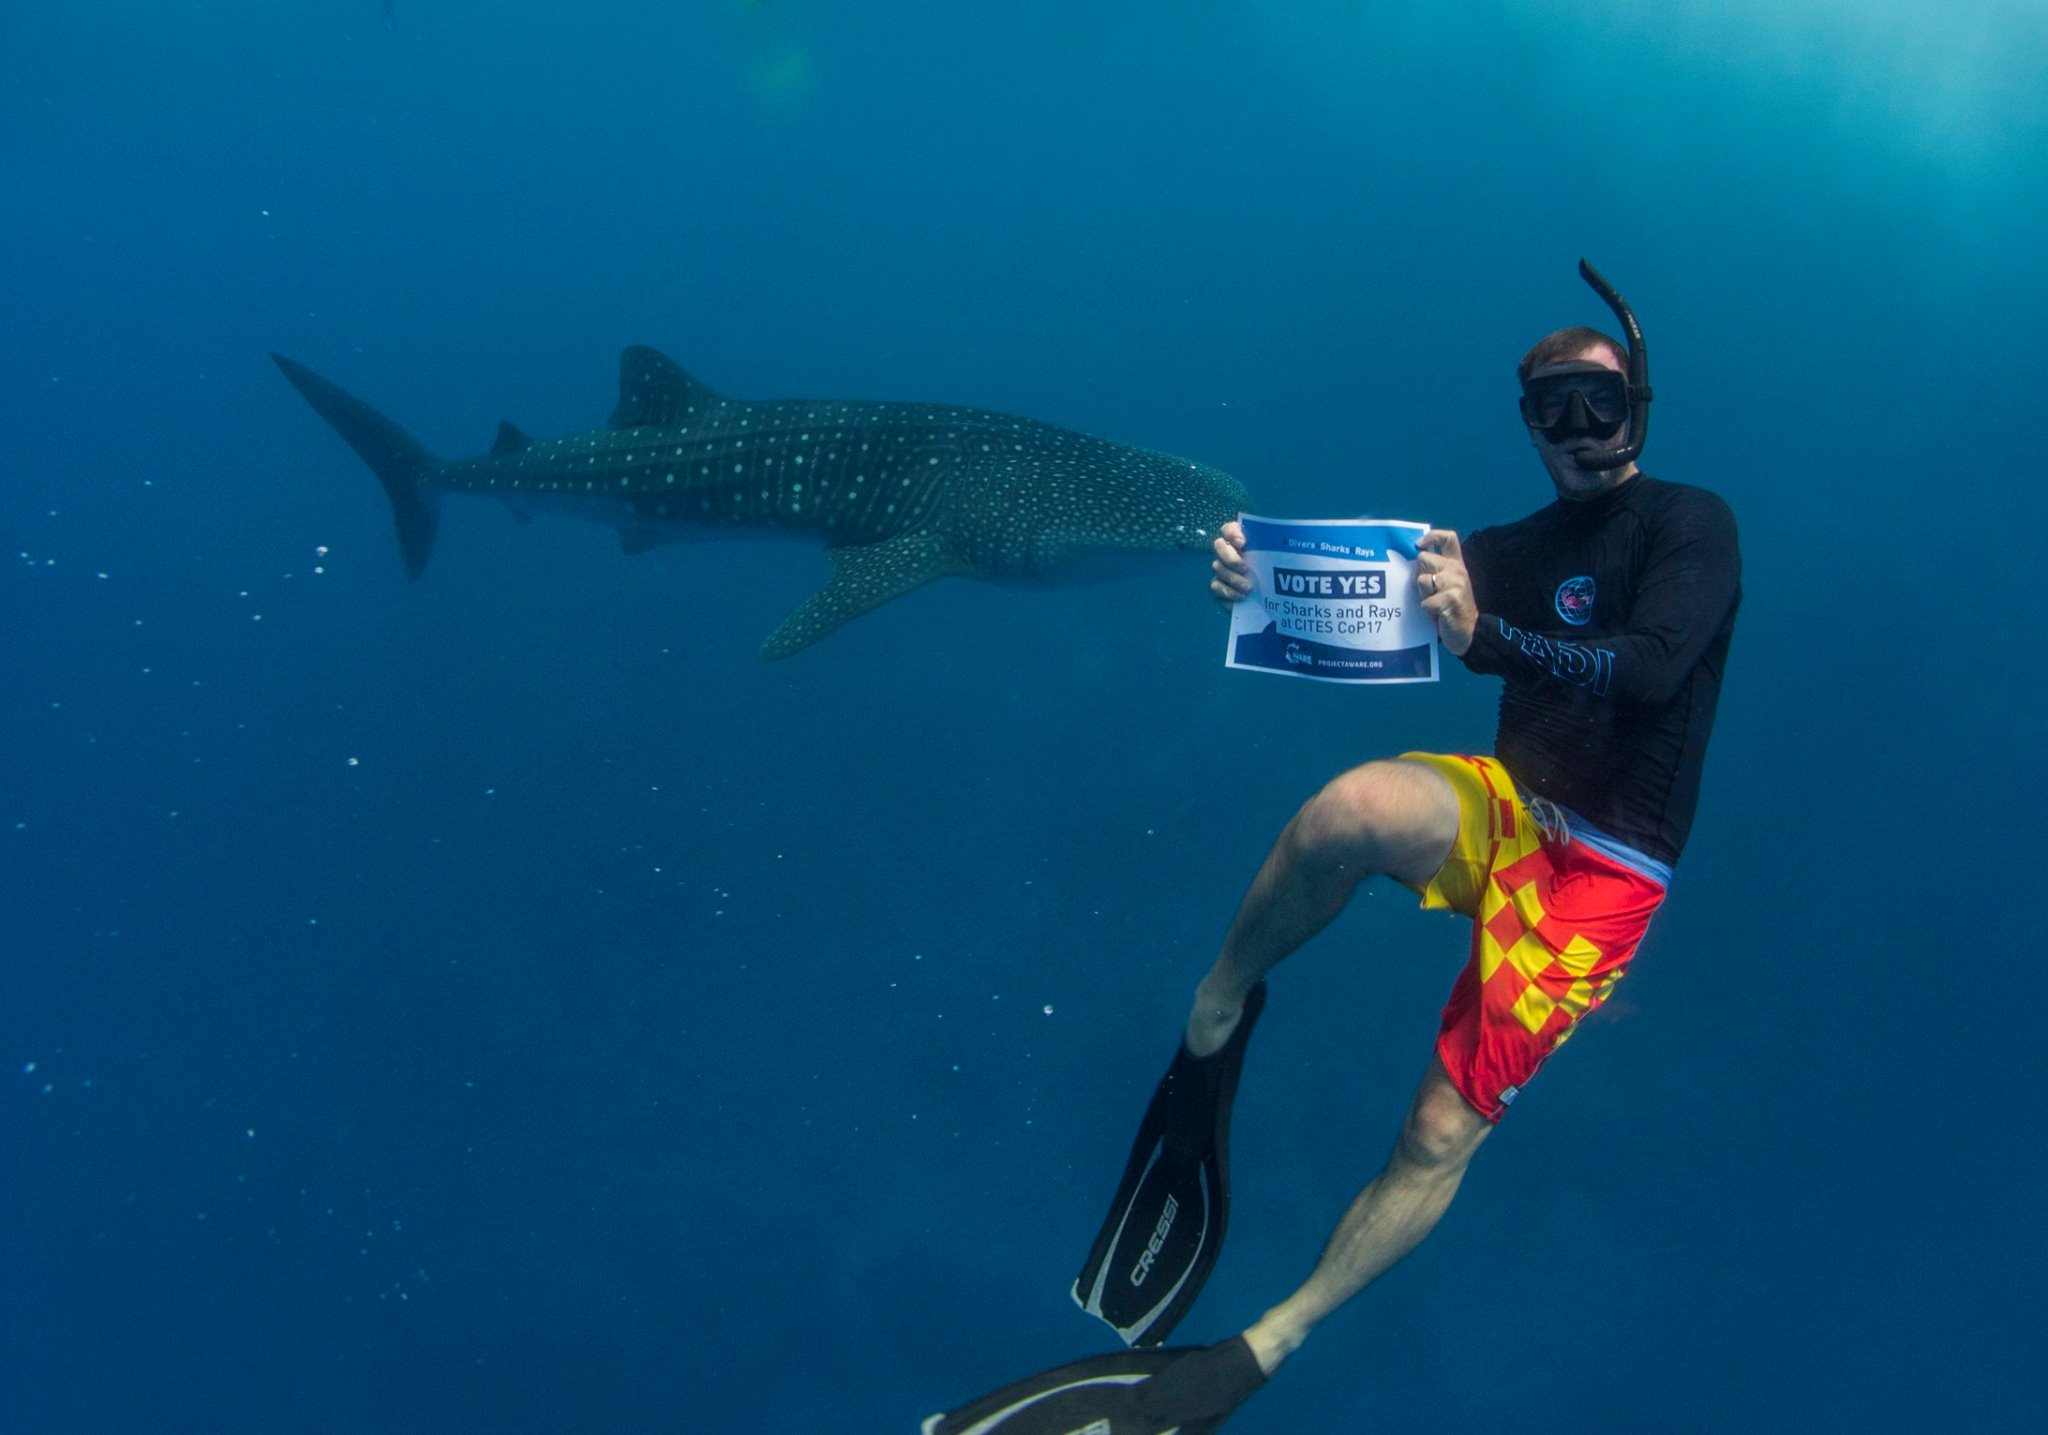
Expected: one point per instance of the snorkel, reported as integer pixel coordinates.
(1638, 428)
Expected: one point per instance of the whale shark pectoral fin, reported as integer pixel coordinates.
(864, 576)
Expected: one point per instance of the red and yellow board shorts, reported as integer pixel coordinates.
(1554, 923)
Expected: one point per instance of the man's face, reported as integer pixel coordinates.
(1570, 480)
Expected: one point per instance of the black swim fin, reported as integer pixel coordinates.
(1190, 1390)
(1165, 1228)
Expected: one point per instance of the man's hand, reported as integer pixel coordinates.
(1446, 588)
(1233, 579)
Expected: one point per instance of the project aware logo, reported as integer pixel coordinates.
(1575, 601)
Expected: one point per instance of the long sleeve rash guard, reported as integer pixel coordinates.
(1610, 620)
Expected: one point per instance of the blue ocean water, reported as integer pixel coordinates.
(502, 1002)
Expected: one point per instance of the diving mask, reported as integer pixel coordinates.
(1580, 399)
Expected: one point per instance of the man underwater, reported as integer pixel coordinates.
(1608, 616)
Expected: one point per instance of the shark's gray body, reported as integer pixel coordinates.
(900, 493)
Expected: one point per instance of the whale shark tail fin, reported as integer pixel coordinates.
(398, 460)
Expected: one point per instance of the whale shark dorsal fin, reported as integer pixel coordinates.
(510, 439)
(656, 392)
(864, 576)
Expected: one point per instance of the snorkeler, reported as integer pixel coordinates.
(1608, 615)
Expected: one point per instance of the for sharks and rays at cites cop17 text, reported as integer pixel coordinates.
(1333, 599)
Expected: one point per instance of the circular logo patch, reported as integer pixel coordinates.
(1575, 601)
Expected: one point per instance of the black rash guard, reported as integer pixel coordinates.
(1610, 619)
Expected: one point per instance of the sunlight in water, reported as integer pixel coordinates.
(1959, 78)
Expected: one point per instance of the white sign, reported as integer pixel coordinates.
(1333, 599)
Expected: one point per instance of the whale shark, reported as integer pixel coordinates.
(900, 493)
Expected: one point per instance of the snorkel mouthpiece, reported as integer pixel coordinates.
(1638, 381)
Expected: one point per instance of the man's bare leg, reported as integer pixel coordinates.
(1397, 818)
(1388, 1220)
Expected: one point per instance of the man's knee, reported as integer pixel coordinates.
(1395, 817)
(1442, 1130)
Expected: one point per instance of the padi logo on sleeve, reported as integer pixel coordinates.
(1575, 601)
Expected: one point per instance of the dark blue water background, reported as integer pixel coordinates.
(504, 1003)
